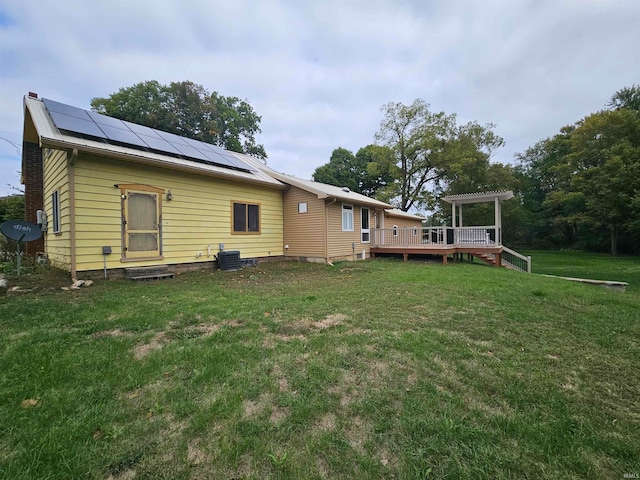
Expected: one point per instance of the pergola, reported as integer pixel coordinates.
(480, 197)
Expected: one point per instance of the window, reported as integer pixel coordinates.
(55, 214)
(302, 207)
(364, 224)
(395, 230)
(347, 218)
(141, 221)
(246, 218)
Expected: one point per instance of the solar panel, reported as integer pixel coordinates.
(159, 144)
(109, 121)
(191, 152)
(171, 138)
(141, 129)
(217, 159)
(65, 109)
(77, 125)
(76, 120)
(123, 136)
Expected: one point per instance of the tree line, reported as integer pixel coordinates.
(577, 189)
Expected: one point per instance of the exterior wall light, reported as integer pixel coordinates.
(169, 195)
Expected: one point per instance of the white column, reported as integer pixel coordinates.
(498, 222)
(460, 216)
(453, 214)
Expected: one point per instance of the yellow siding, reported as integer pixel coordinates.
(56, 177)
(339, 242)
(198, 216)
(304, 233)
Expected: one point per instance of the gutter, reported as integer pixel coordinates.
(60, 144)
(71, 161)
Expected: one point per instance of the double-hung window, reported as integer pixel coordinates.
(347, 218)
(246, 218)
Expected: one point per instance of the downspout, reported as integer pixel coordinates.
(71, 161)
(326, 230)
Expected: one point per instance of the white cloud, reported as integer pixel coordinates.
(318, 72)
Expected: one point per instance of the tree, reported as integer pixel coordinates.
(369, 172)
(429, 146)
(627, 97)
(189, 110)
(12, 208)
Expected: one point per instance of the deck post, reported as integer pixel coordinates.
(444, 259)
(405, 256)
(498, 260)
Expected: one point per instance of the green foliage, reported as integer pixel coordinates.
(581, 186)
(189, 110)
(627, 98)
(369, 172)
(432, 149)
(12, 208)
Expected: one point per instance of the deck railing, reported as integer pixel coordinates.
(415, 236)
(515, 261)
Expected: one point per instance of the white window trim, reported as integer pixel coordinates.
(55, 211)
(365, 230)
(347, 214)
(302, 207)
(395, 230)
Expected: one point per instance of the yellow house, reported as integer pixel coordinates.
(114, 197)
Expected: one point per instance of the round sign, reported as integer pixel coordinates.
(20, 230)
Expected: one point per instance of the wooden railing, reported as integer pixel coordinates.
(415, 236)
(515, 261)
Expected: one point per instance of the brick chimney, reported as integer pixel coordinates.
(33, 190)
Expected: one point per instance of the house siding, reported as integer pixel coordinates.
(56, 177)
(304, 233)
(198, 216)
(339, 243)
(401, 222)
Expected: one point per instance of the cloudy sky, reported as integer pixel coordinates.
(318, 71)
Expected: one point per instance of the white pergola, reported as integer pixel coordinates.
(480, 197)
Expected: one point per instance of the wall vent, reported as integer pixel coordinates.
(229, 260)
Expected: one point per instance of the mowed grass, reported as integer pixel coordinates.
(376, 369)
(588, 265)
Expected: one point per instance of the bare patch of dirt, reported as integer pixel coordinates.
(358, 434)
(142, 350)
(326, 423)
(126, 475)
(323, 467)
(279, 414)
(253, 408)
(330, 321)
(195, 456)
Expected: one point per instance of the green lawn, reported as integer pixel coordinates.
(376, 369)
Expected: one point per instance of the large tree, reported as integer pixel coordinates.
(429, 147)
(189, 110)
(369, 172)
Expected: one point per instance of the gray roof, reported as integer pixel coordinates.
(51, 137)
(396, 212)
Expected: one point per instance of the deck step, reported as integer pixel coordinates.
(156, 272)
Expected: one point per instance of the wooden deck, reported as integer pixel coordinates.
(442, 241)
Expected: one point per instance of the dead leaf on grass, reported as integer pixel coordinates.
(29, 403)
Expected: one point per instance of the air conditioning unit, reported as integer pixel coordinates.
(229, 260)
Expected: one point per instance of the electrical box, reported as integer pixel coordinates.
(41, 219)
(106, 250)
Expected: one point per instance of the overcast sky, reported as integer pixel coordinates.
(319, 71)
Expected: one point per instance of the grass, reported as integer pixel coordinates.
(376, 369)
